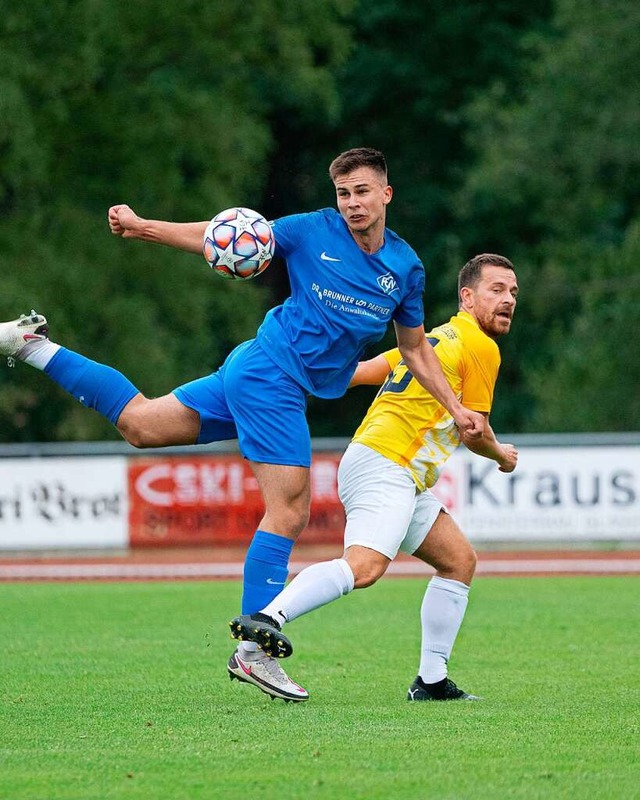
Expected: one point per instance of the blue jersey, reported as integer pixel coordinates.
(342, 299)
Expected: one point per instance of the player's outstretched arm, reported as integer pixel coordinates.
(423, 364)
(371, 373)
(188, 236)
(488, 446)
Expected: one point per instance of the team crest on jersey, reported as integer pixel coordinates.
(388, 283)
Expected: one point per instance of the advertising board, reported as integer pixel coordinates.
(557, 493)
(63, 503)
(215, 500)
(563, 493)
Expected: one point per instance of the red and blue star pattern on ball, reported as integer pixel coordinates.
(238, 243)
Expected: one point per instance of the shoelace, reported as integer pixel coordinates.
(451, 688)
(274, 669)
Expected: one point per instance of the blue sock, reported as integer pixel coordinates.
(265, 570)
(94, 385)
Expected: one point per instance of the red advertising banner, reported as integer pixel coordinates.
(215, 500)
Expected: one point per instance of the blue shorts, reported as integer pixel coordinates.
(250, 398)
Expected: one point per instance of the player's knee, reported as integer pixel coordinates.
(458, 564)
(366, 575)
(299, 518)
(466, 564)
(300, 510)
(363, 581)
(289, 520)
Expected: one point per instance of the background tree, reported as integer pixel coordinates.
(167, 107)
(557, 184)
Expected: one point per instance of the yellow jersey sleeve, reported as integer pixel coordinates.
(393, 357)
(479, 366)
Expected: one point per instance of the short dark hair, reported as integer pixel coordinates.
(358, 157)
(471, 273)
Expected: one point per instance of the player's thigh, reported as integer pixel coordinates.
(283, 486)
(378, 497)
(206, 398)
(158, 422)
(443, 546)
(426, 511)
(269, 409)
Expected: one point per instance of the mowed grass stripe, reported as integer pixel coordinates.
(120, 690)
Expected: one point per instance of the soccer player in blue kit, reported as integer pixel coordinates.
(350, 276)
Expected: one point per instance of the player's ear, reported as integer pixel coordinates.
(388, 194)
(466, 296)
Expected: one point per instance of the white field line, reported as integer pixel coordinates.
(194, 571)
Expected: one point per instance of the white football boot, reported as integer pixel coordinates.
(267, 674)
(19, 333)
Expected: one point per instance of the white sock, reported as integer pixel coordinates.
(315, 586)
(442, 612)
(38, 354)
(249, 650)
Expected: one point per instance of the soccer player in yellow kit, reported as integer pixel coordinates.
(386, 473)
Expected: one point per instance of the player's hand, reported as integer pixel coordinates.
(509, 458)
(470, 423)
(123, 221)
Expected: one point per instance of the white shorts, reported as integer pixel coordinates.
(384, 510)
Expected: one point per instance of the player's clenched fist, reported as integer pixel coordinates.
(509, 459)
(123, 221)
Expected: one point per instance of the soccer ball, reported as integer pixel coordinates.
(238, 243)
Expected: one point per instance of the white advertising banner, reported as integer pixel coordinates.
(66, 503)
(555, 493)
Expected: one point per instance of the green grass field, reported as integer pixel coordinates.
(120, 691)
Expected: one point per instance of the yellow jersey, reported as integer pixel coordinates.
(407, 425)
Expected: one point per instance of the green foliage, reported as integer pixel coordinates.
(424, 63)
(163, 106)
(120, 691)
(160, 317)
(565, 158)
(591, 381)
(165, 103)
(557, 186)
(414, 68)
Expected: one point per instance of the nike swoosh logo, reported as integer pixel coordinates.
(325, 257)
(246, 670)
(275, 583)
